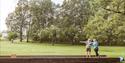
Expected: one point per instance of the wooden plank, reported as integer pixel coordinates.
(59, 59)
(56, 56)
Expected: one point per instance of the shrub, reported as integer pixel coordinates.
(12, 36)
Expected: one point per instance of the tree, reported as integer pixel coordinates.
(73, 16)
(107, 21)
(42, 16)
(21, 13)
(12, 23)
(17, 20)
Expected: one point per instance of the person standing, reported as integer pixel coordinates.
(88, 47)
(95, 46)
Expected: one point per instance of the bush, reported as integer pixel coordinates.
(12, 36)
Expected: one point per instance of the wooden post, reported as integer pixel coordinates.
(13, 55)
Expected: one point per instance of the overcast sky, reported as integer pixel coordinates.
(8, 6)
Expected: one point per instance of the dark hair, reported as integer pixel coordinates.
(91, 40)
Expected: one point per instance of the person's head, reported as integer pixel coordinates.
(89, 39)
(94, 40)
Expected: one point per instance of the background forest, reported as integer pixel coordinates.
(71, 22)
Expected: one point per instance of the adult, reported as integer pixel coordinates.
(88, 47)
(95, 46)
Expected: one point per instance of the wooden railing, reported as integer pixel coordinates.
(58, 59)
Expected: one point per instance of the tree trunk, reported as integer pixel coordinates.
(53, 41)
(73, 41)
(108, 40)
(12, 40)
(28, 32)
(27, 36)
(21, 34)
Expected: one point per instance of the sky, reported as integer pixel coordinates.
(8, 6)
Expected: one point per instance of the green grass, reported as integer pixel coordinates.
(8, 48)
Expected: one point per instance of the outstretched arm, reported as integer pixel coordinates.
(83, 42)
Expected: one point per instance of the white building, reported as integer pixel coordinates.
(4, 35)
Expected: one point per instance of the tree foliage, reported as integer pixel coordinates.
(108, 22)
(70, 22)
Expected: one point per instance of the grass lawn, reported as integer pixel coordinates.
(8, 48)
